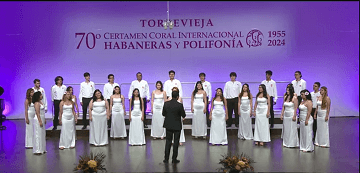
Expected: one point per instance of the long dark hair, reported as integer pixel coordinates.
(307, 94)
(242, 91)
(161, 89)
(94, 97)
(28, 97)
(264, 91)
(119, 90)
(68, 90)
(196, 89)
(221, 96)
(58, 78)
(291, 93)
(36, 97)
(133, 98)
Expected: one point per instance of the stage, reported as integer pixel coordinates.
(196, 155)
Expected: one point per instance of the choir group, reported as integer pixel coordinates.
(107, 110)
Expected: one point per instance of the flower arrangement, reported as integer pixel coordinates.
(236, 163)
(91, 163)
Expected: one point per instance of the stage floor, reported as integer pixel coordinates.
(196, 155)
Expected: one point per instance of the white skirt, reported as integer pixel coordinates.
(67, 135)
(118, 127)
(290, 131)
(218, 133)
(322, 131)
(136, 130)
(98, 129)
(245, 125)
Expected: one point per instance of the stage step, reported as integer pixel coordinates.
(187, 121)
(233, 130)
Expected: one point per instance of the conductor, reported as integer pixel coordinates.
(173, 111)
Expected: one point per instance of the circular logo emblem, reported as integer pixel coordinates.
(254, 38)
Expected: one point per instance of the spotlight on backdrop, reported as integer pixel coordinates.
(2, 107)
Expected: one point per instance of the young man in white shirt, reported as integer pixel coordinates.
(272, 91)
(207, 88)
(232, 90)
(108, 92)
(37, 88)
(314, 96)
(57, 93)
(143, 87)
(172, 82)
(299, 85)
(87, 90)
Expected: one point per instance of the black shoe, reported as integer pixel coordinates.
(237, 125)
(166, 161)
(228, 125)
(176, 161)
(145, 126)
(54, 128)
(83, 128)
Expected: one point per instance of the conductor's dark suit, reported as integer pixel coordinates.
(173, 111)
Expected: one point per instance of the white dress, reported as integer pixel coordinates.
(73, 99)
(322, 132)
(39, 140)
(182, 135)
(262, 130)
(136, 130)
(98, 126)
(306, 131)
(29, 127)
(245, 125)
(118, 127)
(67, 135)
(157, 122)
(290, 131)
(199, 127)
(218, 134)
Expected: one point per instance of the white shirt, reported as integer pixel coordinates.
(57, 92)
(44, 101)
(207, 88)
(109, 89)
(232, 89)
(271, 88)
(143, 89)
(314, 97)
(299, 85)
(168, 85)
(86, 90)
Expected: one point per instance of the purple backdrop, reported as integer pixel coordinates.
(321, 40)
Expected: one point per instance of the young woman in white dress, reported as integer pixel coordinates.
(29, 117)
(117, 108)
(288, 115)
(218, 117)
(198, 108)
(74, 99)
(98, 116)
(136, 117)
(262, 113)
(158, 97)
(306, 122)
(182, 135)
(39, 138)
(322, 115)
(245, 105)
(67, 119)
